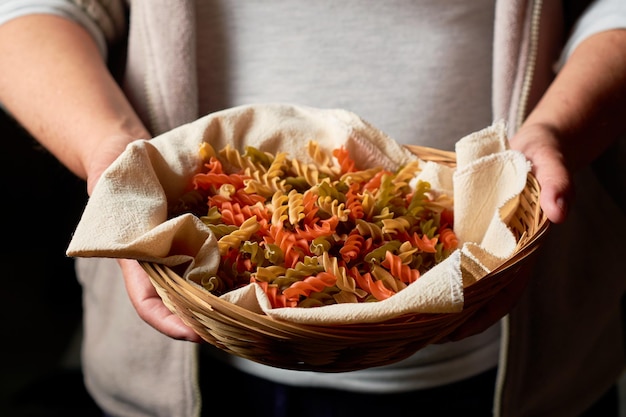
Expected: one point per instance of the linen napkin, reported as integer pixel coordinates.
(127, 214)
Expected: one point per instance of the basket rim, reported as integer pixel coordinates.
(336, 331)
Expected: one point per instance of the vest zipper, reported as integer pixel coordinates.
(529, 70)
(197, 394)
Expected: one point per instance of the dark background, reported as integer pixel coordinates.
(41, 299)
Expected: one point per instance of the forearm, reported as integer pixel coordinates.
(56, 84)
(585, 107)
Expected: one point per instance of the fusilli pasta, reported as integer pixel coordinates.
(313, 234)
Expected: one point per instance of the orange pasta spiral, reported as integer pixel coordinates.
(399, 270)
(351, 248)
(309, 284)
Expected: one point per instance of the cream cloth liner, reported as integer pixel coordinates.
(126, 216)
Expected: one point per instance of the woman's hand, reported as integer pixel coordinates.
(579, 116)
(542, 148)
(149, 305)
(577, 119)
(141, 292)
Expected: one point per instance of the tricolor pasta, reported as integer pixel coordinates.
(313, 234)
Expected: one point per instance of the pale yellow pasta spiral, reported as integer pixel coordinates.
(406, 251)
(296, 208)
(235, 159)
(234, 239)
(407, 172)
(333, 207)
(323, 159)
(369, 204)
(395, 225)
(260, 183)
(309, 172)
(279, 207)
(360, 176)
(344, 281)
(207, 151)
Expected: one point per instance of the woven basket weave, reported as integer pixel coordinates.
(348, 347)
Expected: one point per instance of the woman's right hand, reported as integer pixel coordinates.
(149, 305)
(141, 292)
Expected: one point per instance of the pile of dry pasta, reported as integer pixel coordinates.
(313, 234)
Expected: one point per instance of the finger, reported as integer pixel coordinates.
(555, 181)
(149, 305)
(541, 146)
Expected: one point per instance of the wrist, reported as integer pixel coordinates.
(99, 156)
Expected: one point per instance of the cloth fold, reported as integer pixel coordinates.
(127, 214)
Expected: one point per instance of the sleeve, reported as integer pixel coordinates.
(105, 21)
(601, 15)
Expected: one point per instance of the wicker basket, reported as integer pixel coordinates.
(350, 347)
